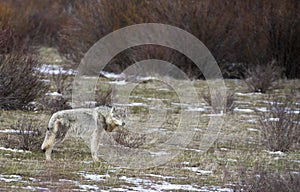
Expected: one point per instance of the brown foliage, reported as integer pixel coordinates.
(19, 80)
(28, 135)
(250, 32)
(261, 78)
(264, 180)
(280, 126)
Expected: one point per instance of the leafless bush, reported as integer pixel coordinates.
(263, 180)
(27, 135)
(199, 18)
(53, 103)
(39, 21)
(19, 81)
(219, 100)
(62, 81)
(261, 78)
(280, 125)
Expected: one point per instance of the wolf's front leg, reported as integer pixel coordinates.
(94, 145)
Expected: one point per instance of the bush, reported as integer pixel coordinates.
(219, 100)
(28, 135)
(94, 19)
(35, 20)
(262, 78)
(19, 81)
(53, 103)
(280, 126)
(263, 180)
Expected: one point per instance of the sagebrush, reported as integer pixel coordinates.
(280, 125)
(27, 135)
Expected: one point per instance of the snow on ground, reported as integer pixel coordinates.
(112, 75)
(10, 178)
(198, 171)
(14, 150)
(82, 186)
(160, 176)
(131, 104)
(243, 110)
(246, 94)
(123, 82)
(15, 131)
(262, 109)
(53, 94)
(55, 69)
(199, 109)
(94, 177)
(280, 153)
(252, 129)
(149, 185)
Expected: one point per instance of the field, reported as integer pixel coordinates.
(228, 162)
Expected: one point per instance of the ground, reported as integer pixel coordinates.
(237, 149)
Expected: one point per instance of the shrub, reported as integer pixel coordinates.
(263, 180)
(28, 135)
(19, 81)
(94, 19)
(219, 100)
(280, 126)
(39, 21)
(53, 103)
(62, 81)
(262, 78)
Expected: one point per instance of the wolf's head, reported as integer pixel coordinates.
(56, 132)
(115, 118)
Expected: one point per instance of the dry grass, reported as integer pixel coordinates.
(28, 135)
(262, 78)
(280, 126)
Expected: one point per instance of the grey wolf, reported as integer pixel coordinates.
(89, 124)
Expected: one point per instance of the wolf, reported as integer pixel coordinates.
(90, 124)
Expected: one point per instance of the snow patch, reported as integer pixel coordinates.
(10, 178)
(123, 82)
(247, 94)
(14, 131)
(252, 129)
(262, 109)
(280, 153)
(196, 109)
(94, 177)
(112, 75)
(53, 94)
(55, 69)
(160, 176)
(14, 150)
(133, 105)
(198, 171)
(243, 110)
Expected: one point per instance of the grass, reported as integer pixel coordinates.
(238, 149)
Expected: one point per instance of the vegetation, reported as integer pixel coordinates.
(256, 41)
(280, 126)
(251, 32)
(20, 82)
